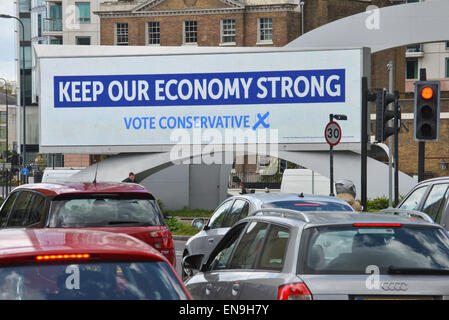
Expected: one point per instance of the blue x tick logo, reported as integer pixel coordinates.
(261, 121)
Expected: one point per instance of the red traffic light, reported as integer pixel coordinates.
(427, 93)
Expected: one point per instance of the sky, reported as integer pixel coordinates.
(7, 42)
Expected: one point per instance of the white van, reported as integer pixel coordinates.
(306, 181)
(59, 174)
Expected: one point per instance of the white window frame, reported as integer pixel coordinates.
(184, 33)
(259, 31)
(148, 33)
(116, 34)
(222, 35)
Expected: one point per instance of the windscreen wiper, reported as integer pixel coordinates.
(128, 222)
(418, 271)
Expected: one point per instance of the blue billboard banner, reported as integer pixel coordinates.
(202, 89)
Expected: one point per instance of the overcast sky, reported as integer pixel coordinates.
(7, 42)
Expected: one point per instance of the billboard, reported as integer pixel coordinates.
(147, 102)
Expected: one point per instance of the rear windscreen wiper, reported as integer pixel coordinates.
(417, 271)
(128, 222)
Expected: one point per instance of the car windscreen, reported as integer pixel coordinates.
(91, 281)
(100, 210)
(308, 205)
(389, 249)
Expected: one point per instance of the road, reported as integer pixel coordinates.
(179, 248)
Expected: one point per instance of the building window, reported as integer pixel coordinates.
(447, 45)
(412, 69)
(154, 33)
(56, 40)
(121, 34)
(265, 30)
(190, 32)
(83, 9)
(228, 31)
(83, 41)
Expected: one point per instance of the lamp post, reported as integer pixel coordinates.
(22, 85)
(7, 107)
(6, 151)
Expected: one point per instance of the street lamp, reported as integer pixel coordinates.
(7, 120)
(22, 85)
(7, 107)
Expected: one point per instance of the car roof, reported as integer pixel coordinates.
(321, 218)
(18, 245)
(282, 196)
(59, 188)
(437, 179)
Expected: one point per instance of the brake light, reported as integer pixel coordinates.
(294, 291)
(161, 239)
(307, 204)
(377, 224)
(63, 256)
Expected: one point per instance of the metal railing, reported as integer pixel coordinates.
(52, 25)
(254, 180)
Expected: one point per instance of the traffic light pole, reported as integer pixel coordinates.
(397, 125)
(421, 144)
(364, 142)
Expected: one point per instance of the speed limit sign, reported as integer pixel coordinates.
(332, 133)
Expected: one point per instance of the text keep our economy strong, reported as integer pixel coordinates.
(201, 89)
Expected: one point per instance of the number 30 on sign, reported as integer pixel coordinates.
(332, 133)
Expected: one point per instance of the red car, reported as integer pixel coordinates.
(67, 264)
(114, 207)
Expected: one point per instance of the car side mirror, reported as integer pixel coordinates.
(198, 223)
(193, 262)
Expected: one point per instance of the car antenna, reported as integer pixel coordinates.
(96, 170)
(301, 195)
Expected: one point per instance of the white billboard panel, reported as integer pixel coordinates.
(141, 103)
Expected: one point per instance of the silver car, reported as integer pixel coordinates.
(325, 255)
(238, 207)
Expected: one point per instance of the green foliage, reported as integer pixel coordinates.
(191, 213)
(377, 204)
(180, 228)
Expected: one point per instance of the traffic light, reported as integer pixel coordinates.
(383, 115)
(427, 111)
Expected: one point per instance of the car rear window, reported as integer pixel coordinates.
(303, 205)
(352, 250)
(91, 281)
(104, 211)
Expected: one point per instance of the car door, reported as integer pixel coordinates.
(207, 285)
(436, 201)
(239, 210)
(414, 199)
(19, 213)
(36, 211)
(259, 263)
(7, 208)
(206, 239)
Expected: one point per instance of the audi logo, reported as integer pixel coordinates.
(394, 286)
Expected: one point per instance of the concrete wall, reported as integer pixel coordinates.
(193, 186)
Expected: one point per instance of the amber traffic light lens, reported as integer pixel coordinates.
(427, 93)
